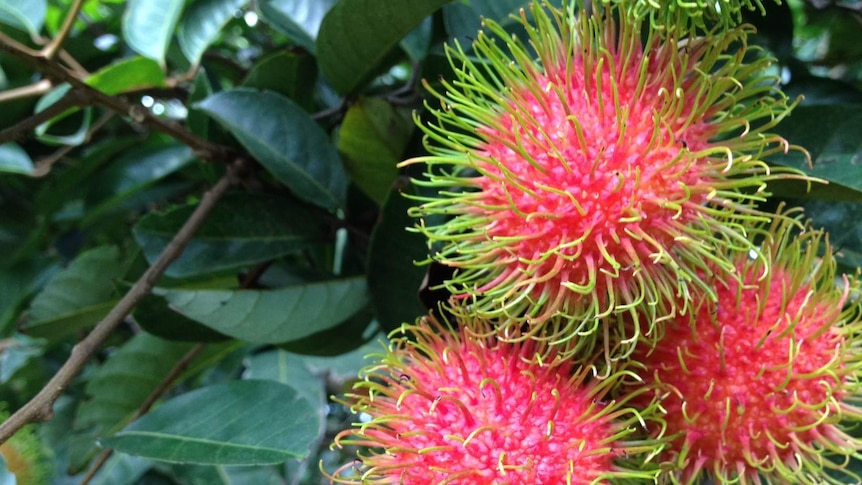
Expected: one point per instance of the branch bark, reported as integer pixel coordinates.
(88, 95)
(40, 407)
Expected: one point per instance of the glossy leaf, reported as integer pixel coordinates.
(243, 229)
(131, 174)
(272, 316)
(372, 139)
(121, 470)
(148, 26)
(393, 277)
(202, 23)
(27, 15)
(198, 122)
(289, 369)
(287, 73)
(123, 382)
(238, 423)
(154, 316)
(356, 35)
(127, 75)
(13, 159)
(464, 19)
(226, 475)
(19, 350)
(282, 137)
(831, 135)
(297, 19)
(76, 297)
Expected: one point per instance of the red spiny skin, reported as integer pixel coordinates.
(606, 193)
(468, 412)
(747, 386)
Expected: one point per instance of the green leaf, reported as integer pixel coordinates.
(127, 75)
(393, 277)
(13, 159)
(199, 123)
(238, 423)
(148, 26)
(154, 316)
(831, 135)
(272, 316)
(27, 15)
(202, 23)
(18, 281)
(19, 350)
(226, 475)
(287, 73)
(282, 137)
(120, 385)
(243, 229)
(464, 19)
(121, 470)
(357, 35)
(288, 369)
(136, 170)
(348, 335)
(372, 139)
(76, 297)
(297, 19)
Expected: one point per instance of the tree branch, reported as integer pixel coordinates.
(40, 407)
(50, 50)
(88, 95)
(36, 89)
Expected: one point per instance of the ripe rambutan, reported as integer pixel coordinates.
(599, 175)
(448, 407)
(763, 386)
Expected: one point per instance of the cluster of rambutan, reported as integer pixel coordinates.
(622, 310)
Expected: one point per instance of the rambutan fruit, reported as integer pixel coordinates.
(682, 14)
(765, 385)
(592, 173)
(447, 407)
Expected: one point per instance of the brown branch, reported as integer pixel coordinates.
(154, 396)
(88, 95)
(40, 407)
(36, 89)
(17, 130)
(50, 50)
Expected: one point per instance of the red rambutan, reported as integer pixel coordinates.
(762, 387)
(600, 177)
(452, 408)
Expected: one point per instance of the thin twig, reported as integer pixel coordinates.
(40, 407)
(154, 396)
(50, 50)
(17, 130)
(36, 89)
(203, 149)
